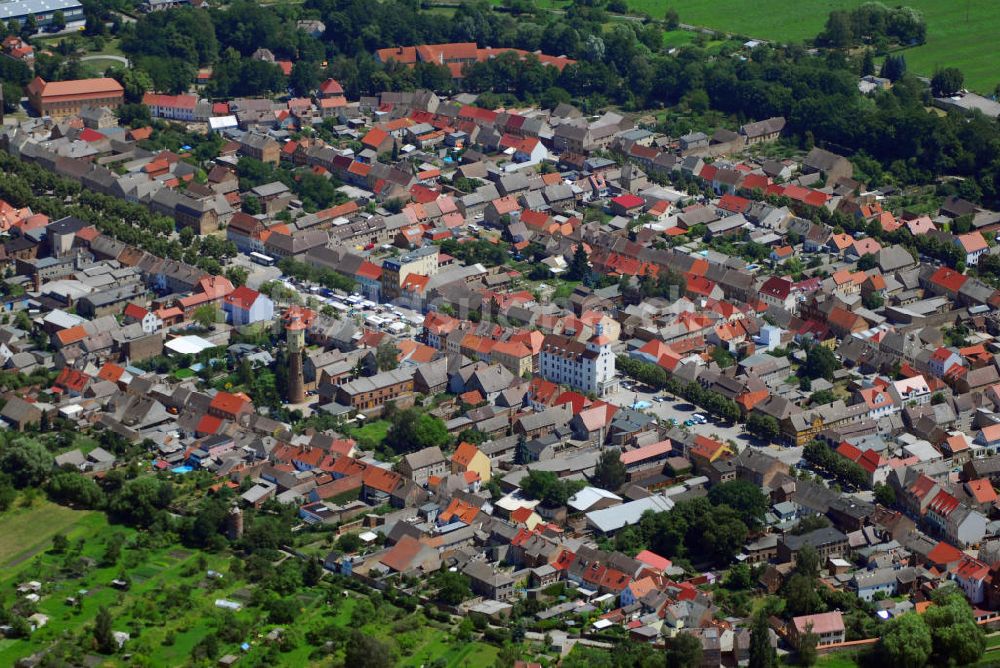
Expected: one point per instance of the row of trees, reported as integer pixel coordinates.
(820, 455)
(657, 377)
(128, 222)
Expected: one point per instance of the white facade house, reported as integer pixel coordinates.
(244, 306)
(913, 389)
(151, 323)
(588, 367)
(172, 107)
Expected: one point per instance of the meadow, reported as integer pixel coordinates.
(960, 34)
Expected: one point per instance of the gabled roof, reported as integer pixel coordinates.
(647, 452)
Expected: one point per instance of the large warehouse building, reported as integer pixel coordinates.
(42, 10)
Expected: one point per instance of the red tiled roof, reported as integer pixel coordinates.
(228, 403)
(647, 452)
(242, 298)
(375, 138)
(208, 424)
(943, 554)
(629, 201)
(71, 335)
(72, 380)
(111, 372)
(949, 279)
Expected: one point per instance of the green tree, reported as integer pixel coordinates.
(104, 638)
(893, 68)
(838, 33)
(868, 63)
(671, 19)
(801, 597)
(312, 572)
(764, 427)
(548, 488)
(579, 267)
(807, 562)
(26, 461)
(251, 205)
(205, 315)
(684, 651)
(30, 26)
(820, 363)
(412, 430)
(822, 397)
(74, 489)
(141, 500)
(453, 588)
(947, 81)
(58, 20)
(744, 497)
(723, 357)
(762, 653)
(872, 300)
(906, 641)
(305, 77)
(7, 492)
(134, 115)
(885, 495)
(722, 532)
(387, 356)
(610, 472)
(956, 638)
(365, 651)
(59, 543)
(807, 647)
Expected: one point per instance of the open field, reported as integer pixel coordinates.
(29, 530)
(959, 34)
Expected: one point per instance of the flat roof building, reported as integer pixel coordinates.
(42, 10)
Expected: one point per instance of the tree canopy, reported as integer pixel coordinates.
(610, 473)
(413, 430)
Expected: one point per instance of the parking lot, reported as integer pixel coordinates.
(680, 410)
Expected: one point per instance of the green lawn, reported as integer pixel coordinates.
(958, 34)
(373, 429)
(674, 38)
(99, 65)
(837, 660)
(181, 374)
(26, 531)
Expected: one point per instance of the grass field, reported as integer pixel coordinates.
(373, 429)
(837, 660)
(960, 34)
(29, 530)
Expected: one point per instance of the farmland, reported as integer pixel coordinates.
(958, 34)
